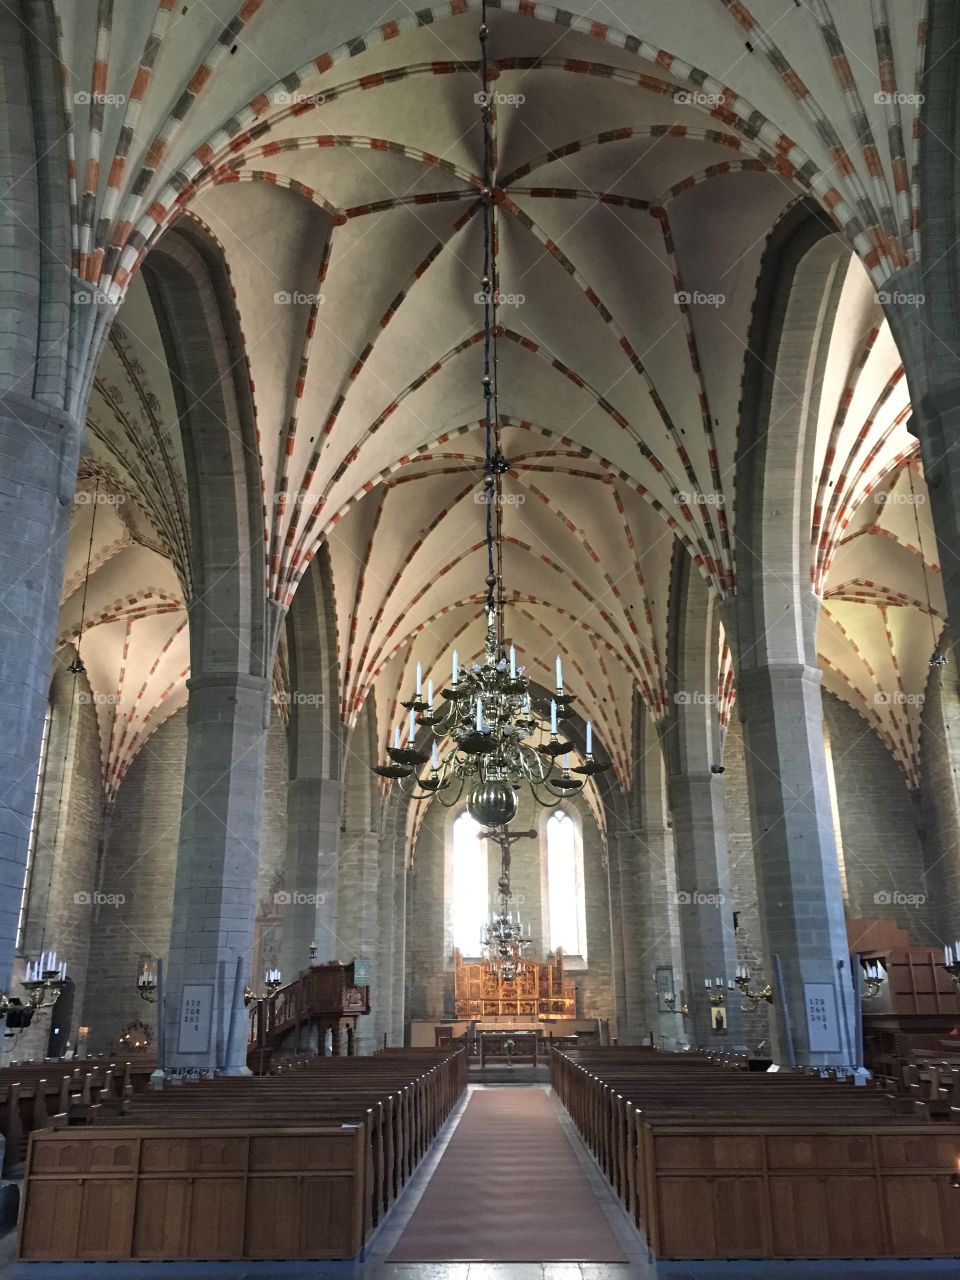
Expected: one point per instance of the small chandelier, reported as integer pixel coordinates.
(490, 735)
(503, 940)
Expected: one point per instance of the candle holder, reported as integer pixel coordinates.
(951, 962)
(147, 980)
(874, 976)
(272, 982)
(742, 982)
(45, 979)
(668, 998)
(717, 991)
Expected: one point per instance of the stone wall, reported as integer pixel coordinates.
(881, 850)
(139, 862)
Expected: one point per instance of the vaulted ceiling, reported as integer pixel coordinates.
(643, 154)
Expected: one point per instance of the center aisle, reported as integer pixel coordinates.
(508, 1188)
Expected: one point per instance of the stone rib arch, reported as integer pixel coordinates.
(190, 289)
(799, 284)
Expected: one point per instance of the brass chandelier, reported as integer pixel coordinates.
(490, 734)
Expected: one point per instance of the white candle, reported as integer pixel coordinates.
(559, 675)
(433, 753)
(589, 738)
(526, 705)
(413, 728)
(419, 678)
(456, 666)
(479, 715)
(396, 735)
(429, 693)
(566, 761)
(706, 983)
(513, 663)
(553, 717)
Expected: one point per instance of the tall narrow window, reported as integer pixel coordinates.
(470, 890)
(565, 899)
(34, 826)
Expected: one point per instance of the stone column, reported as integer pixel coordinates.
(358, 916)
(39, 450)
(798, 877)
(215, 893)
(690, 734)
(704, 900)
(647, 907)
(310, 910)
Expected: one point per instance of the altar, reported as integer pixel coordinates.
(540, 990)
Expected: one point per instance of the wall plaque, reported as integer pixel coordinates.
(196, 1017)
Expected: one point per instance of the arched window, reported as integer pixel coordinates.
(565, 901)
(470, 896)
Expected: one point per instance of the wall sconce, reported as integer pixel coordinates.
(147, 979)
(951, 962)
(666, 993)
(874, 976)
(743, 985)
(717, 990)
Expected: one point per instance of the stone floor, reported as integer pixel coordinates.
(375, 1267)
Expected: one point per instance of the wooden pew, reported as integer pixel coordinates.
(712, 1163)
(301, 1164)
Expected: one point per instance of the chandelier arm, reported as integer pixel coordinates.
(449, 804)
(546, 804)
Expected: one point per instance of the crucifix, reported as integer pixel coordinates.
(506, 839)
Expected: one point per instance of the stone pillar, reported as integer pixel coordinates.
(704, 900)
(310, 911)
(358, 916)
(648, 905)
(215, 892)
(39, 450)
(798, 877)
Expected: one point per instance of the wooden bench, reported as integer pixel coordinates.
(32, 1093)
(712, 1163)
(303, 1164)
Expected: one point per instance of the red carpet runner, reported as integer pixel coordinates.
(508, 1188)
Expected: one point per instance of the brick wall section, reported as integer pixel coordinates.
(140, 859)
(881, 849)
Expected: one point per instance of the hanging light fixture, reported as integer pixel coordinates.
(490, 735)
(503, 940)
